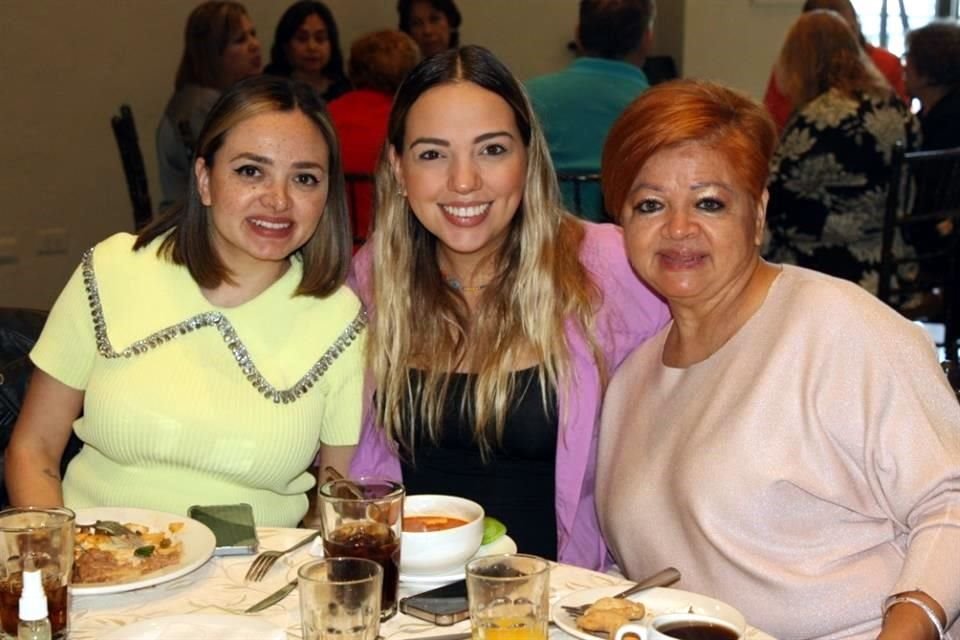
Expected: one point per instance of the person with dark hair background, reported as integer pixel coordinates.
(932, 75)
(220, 48)
(433, 24)
(306, 47)
(577, 105)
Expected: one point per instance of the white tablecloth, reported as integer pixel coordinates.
(218, 587)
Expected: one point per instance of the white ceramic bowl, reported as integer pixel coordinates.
(442, 552)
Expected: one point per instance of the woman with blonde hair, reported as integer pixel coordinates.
(831, 172)
(496, 316)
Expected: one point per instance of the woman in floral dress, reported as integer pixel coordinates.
(830, 174)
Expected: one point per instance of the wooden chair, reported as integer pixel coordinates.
(125, 131)
(924, 191)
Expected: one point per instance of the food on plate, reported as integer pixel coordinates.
(609, 614)
(109, 552)
(420, 524)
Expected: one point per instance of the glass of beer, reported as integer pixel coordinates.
(34, 539)
(509, 597)
(363, 519)
(340, 599)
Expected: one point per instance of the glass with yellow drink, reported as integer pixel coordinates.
(509, 597)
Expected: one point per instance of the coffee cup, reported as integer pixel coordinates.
(686, 626)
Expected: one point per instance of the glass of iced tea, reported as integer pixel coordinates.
(509, 597)
(363, 519)
(31, 539)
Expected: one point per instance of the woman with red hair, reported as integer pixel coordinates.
(806, 472)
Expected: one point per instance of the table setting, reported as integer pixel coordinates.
(292, 591)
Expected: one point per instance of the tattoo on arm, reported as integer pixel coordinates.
(52, 473)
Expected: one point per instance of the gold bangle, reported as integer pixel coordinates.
(931, 614)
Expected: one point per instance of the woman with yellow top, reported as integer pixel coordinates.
(216, 353)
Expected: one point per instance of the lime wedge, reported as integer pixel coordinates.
(493, 530)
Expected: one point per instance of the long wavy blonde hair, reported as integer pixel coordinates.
(421, 323)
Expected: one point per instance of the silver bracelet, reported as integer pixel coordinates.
(934, 619)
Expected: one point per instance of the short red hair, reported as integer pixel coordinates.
(685, 111)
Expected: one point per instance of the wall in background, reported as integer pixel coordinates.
(68, 66)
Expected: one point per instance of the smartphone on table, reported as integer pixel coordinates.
(232, 526)
(442, 606)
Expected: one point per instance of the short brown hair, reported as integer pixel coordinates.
(821, 52)
(688, 111)
(379, 61)
(326, 255)
(614, 28)
(934, 52)
(205, 38)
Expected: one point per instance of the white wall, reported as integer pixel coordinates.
(67, 66)
(735, 41)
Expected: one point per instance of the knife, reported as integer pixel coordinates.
(274, 597)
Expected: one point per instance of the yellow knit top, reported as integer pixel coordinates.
(187, 403)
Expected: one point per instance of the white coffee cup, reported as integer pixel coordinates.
(658, 628)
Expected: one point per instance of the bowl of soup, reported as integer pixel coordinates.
(440, 533)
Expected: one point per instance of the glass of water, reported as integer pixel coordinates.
(340, 599)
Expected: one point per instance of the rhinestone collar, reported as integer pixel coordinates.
(227, 332)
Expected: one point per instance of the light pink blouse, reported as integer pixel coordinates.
(802, 473)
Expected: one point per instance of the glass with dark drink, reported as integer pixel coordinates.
(32, 539)
(363, 519)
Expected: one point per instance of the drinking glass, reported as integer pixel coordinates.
(363, 519)
(340, 599)
(509, 597)
(35, 538)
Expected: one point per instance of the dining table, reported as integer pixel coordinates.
(218, 587)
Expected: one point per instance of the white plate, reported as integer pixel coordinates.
(198, 545)
(198, 625)
(503, 544)
(657, 601)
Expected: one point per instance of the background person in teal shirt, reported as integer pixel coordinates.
(578, 105)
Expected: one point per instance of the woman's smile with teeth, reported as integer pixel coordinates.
(462, 211)
(269, 225)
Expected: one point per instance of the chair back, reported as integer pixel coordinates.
(924, 193)
(125, 131)
(582, 195)
(19, 330)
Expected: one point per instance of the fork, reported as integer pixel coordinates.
(660, 579)
(265, 561)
